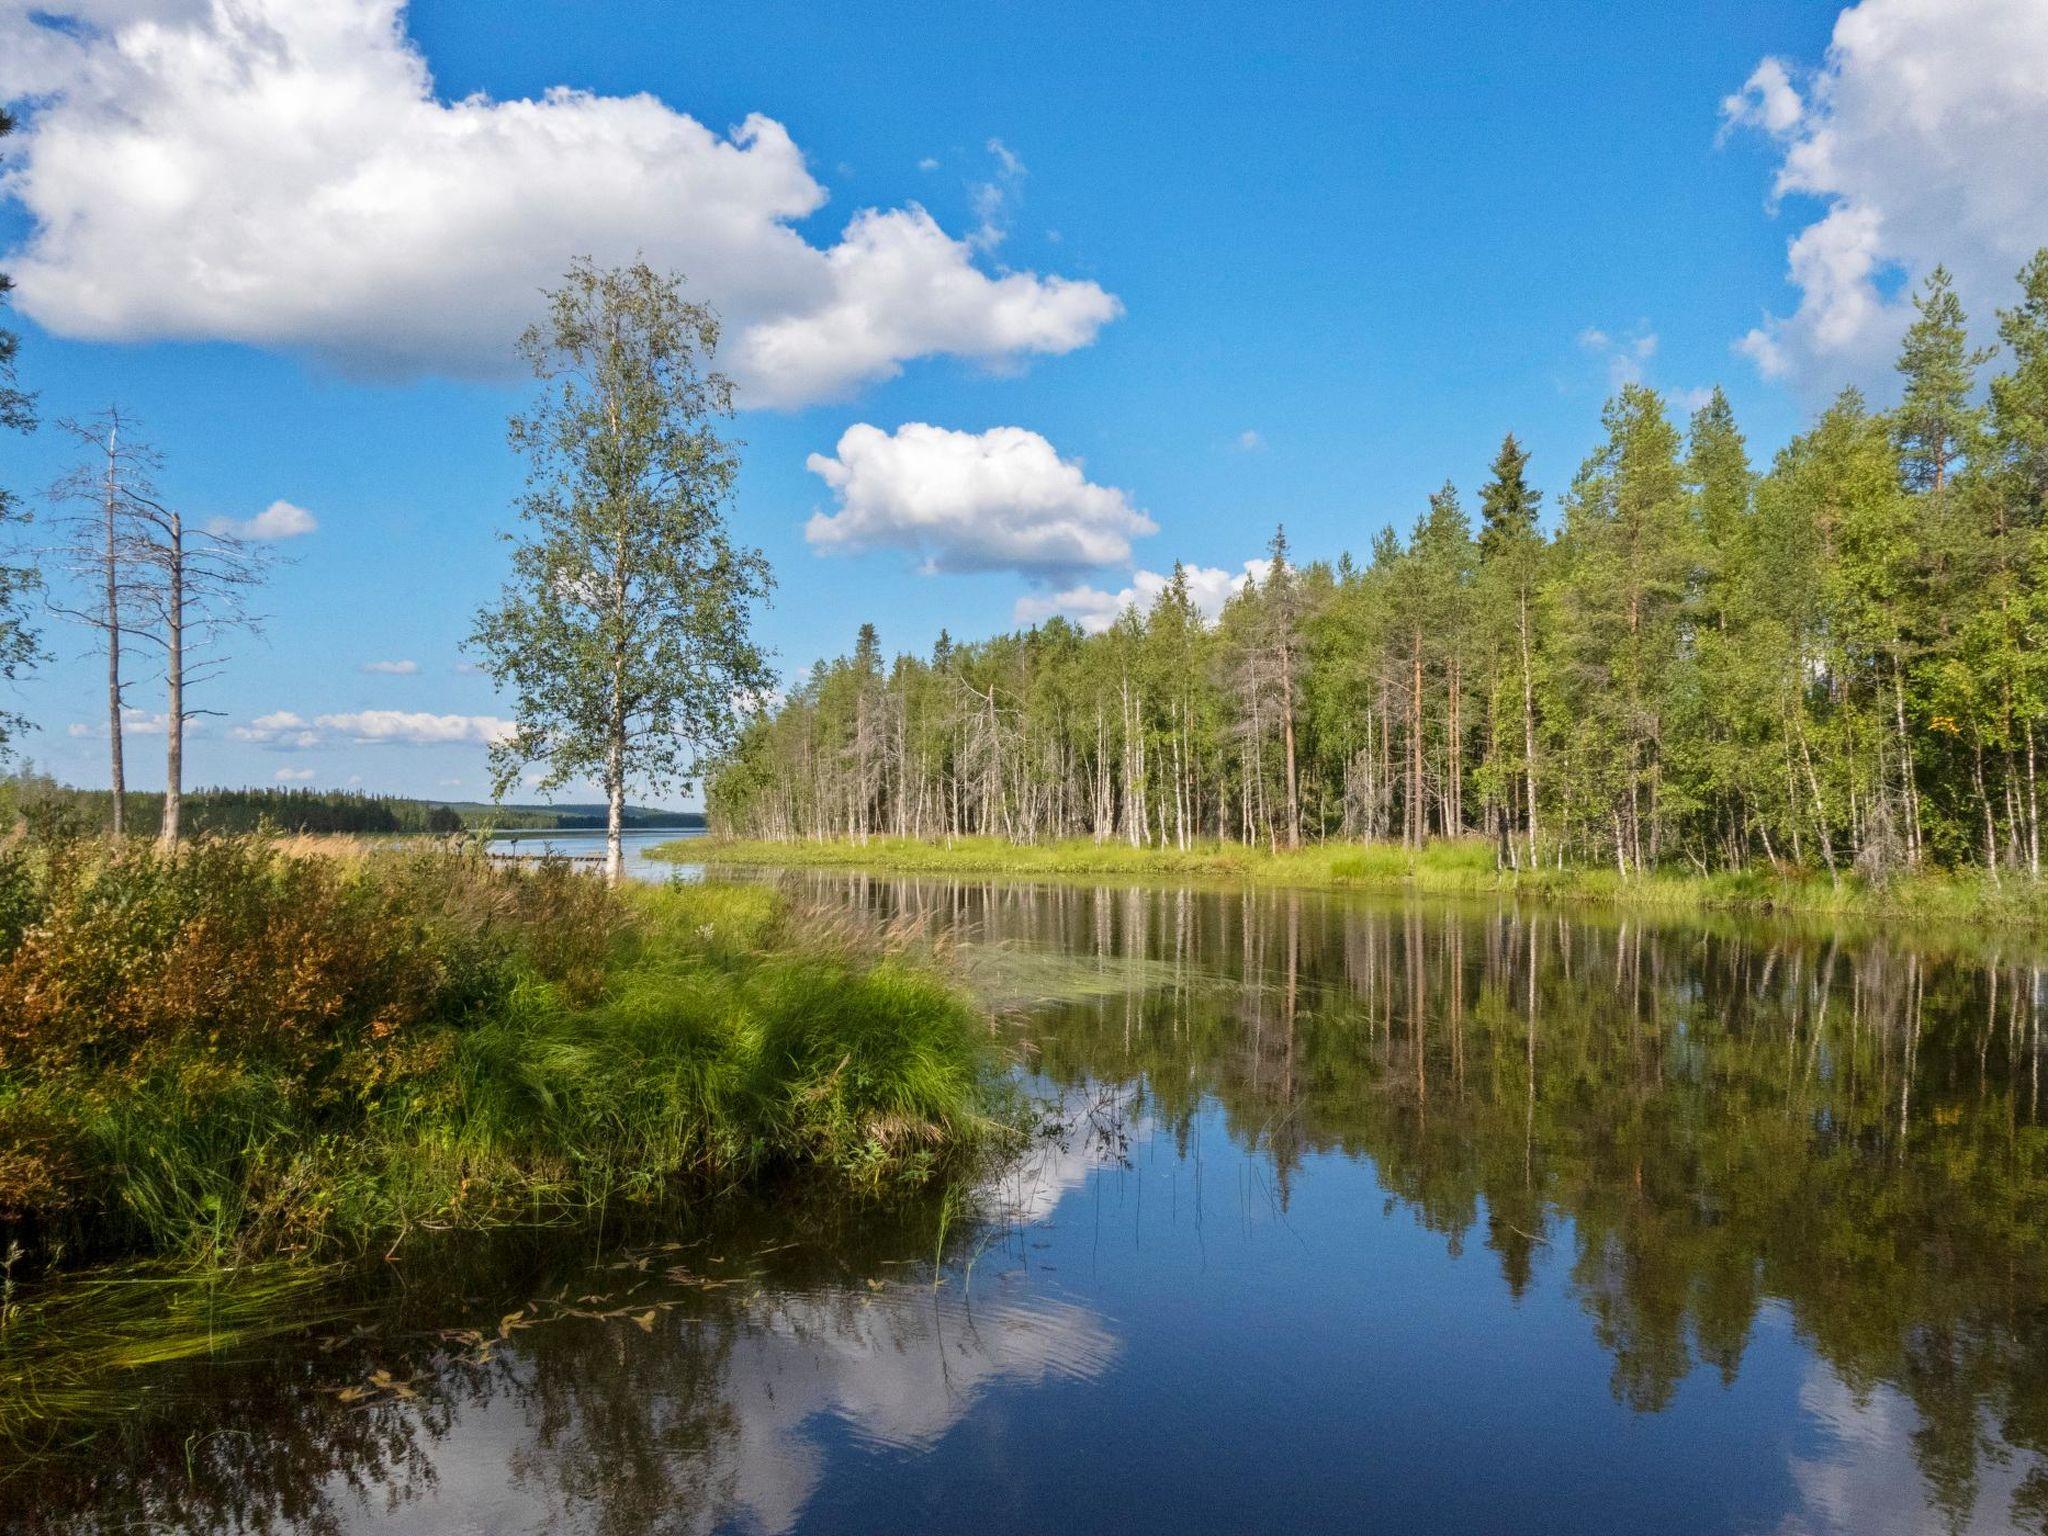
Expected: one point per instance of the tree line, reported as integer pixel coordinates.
(1834, 662)
(45, 803)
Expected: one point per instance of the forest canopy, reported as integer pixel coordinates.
(1834, 662)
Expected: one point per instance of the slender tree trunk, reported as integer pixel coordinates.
(174, 681)
(1909, 778)
(1528, 726)
(615, 808)
(1287, 733)
(1418, 829)
(1454, 752)
(109, 564)
(116, 770)
(2033, 811)
(1990, 822)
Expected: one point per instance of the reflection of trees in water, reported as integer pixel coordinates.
(701, 1416)
(1711, 1118)
(1724, 1113)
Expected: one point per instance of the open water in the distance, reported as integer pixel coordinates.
(1368, 1217)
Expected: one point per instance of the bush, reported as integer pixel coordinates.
(236, 1047)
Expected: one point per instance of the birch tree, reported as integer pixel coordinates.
(624, 631)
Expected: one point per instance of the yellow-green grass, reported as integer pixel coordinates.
(1446, 867)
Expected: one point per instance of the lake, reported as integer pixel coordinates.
(1353, 1215)
(586, 843)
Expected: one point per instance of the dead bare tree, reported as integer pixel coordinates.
(98, 542)
(191, 590)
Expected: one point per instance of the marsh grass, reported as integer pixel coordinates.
(247, 1049)
(1460, 867)
(76, 1357)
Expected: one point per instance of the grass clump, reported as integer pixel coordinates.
(241, 1049)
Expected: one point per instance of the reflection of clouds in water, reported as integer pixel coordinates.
(1095, 1125)
(745, 1423)
(898, 1373)
(1867, 1482)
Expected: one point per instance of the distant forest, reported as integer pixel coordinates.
(1837, 661)
(225, 810)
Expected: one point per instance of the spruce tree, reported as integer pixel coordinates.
(1511, 552)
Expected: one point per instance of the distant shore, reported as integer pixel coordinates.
(1444, 868)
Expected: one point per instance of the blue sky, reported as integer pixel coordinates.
(1344, 249)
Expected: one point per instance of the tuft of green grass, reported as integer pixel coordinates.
(443, 1045)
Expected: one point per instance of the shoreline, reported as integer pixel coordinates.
(1443, 869)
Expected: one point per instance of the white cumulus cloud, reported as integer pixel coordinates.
(289, 731)
(134, 722)
(1919, 138)
(1095, 609)
(279, 520)
(280, 728)
(294, 775)
(971, 501)
(392, 668)
(415, 727)
(283, 173)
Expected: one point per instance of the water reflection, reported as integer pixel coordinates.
(1366, 1217)
(692, 1390)
(1703, 1119)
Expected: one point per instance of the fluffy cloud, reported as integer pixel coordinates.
(392, 668)
(1920, 138)
(281, 728)
(415, 727)
(287, 731)
(134, 722)
(293, 775)
(996, 500)
(281, 172)
(1095, 610)
(279, 520)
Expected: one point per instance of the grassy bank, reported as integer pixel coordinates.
(250, 1049)
(1466, 868)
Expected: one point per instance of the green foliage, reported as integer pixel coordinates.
(235, 1049)
(623, 632)
(1832, 668)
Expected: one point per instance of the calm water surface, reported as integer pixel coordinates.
(1362, 1217)
(580, 845)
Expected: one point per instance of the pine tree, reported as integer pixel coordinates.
(1628, 554)
(1442, 559)
(1936, 424)
(1511, 550)
(1719, 729)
